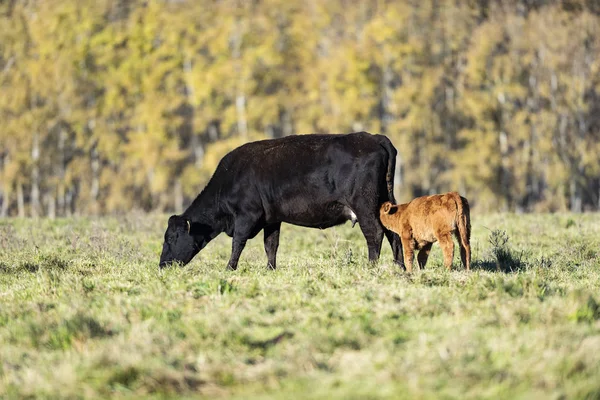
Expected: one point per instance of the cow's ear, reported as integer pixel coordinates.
(179, 221)
(392, 210)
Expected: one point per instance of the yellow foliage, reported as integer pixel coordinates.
(162, 90)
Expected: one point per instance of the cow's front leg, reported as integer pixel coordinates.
(236, 250)
(272, 243)
(242, 232)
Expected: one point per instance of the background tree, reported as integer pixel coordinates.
(114, 105)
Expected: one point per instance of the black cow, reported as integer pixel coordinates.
(315, 181)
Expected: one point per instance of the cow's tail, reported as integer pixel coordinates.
(393, 237)
(463, 224)
(391, 168)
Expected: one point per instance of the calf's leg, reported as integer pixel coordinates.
(409, 252)
(447, 246)
(465, 256)
(465, 250)
(424, 255)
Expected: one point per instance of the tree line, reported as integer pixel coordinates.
(107, 106)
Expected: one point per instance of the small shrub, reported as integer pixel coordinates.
(199, 289)
(125, 377)
(504, 258)
(88, 285)
(225, 287)
(588, 312)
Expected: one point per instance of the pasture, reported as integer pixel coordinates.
(86, 313)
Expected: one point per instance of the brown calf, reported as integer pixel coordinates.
(426, 220)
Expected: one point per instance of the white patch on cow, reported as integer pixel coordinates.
(351, 215)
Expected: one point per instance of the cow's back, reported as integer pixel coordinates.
(309, 180)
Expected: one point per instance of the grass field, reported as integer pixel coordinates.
(85, 313)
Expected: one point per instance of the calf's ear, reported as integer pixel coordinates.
(392, 210)
(387, 206)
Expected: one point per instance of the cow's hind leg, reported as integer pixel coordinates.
(272, 243)
(396, 245)
(373, 233)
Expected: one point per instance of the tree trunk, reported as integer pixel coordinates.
(240, 106)
(240, 97)
(20, 200)
(287, 124)
(50, 205)
(95, 186)
(505, 188)
(386, 93)
(4, 206)
(5, 190)
(35, 176)
(69, 200)
(575, 195)
(504, 170)
(178, 197)
(60, 190)
(190, 91)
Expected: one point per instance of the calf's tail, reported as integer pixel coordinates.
(463, 222)
(463, 218)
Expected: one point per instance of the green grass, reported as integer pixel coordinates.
(85, 313)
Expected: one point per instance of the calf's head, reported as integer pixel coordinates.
(388, 215)
(183, 240)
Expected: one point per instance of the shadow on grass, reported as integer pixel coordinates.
(494, 266)
(47, 262)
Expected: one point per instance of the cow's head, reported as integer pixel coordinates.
(183, 240)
